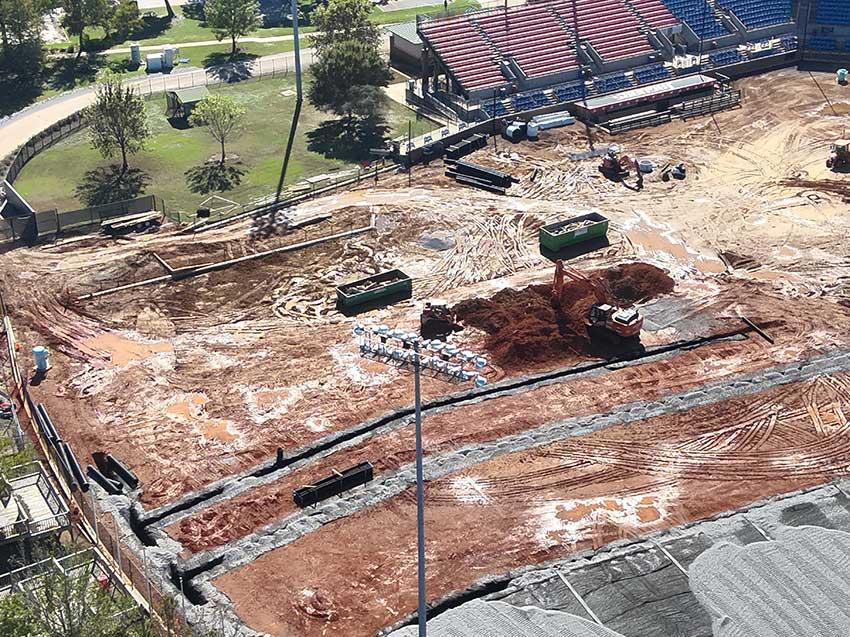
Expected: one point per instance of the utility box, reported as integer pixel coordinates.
(557, 236)
(153, 63)
(385, 285)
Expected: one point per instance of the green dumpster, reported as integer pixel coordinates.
(557, 236)
(385, 285)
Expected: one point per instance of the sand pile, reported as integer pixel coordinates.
(524, 326)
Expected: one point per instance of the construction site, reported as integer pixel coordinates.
(621, 367)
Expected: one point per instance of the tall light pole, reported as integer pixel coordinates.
(446, 361)
(420, 491)
(299, 98)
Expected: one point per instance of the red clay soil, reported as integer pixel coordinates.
(489, 420)
(498, 417)
(526, 326)
(547, 503)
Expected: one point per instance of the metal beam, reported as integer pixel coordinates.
(579, 598)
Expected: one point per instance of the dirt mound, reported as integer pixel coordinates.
(636, 282)
(525, 326)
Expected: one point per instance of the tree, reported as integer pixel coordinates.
(343, 21)
(346, 81)
(20, 21)
(15, 618)
(221, 115)
(80, 14)
(70, 605)
(117, 119)
(232, 18)
(125, 19)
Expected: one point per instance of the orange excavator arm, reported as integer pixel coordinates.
(575, 275)
(558, 282)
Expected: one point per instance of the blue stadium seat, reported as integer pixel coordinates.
(569, 92)
(819, 43)
(833, 12)
(651, 73)
(725, 57)
(530, 100)
(699, 15)
(756, 14)
(612, 82)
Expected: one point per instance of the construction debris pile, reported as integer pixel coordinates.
(524, 326)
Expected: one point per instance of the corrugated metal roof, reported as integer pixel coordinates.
(406, 31)
(188, 95)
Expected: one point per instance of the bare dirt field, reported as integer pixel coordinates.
(547, 503)
(193, 381)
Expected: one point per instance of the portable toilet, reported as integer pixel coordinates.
(135, 54)
(842, 76)
(167, 57)
(153, 63)
(41, 355)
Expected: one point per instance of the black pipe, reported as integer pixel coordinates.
(76, 471)
(48, 424)
(111, 487)
(62, 454)
(118, 469)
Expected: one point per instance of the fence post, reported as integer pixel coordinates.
(147, 578)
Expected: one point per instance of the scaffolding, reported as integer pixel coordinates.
(29, 505)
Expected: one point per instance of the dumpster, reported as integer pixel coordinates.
(385, 285)
(557, 236)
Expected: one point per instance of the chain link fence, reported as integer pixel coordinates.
(122, 564)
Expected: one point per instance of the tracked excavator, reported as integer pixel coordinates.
(613, 323)
(614, 166)
(437, 320)
(839, 155)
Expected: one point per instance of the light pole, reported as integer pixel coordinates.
(447, 361)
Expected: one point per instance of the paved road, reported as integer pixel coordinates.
(20, 127)
(188, 45)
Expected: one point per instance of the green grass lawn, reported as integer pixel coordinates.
(406, 15)
(51, 178)
(185, 27)
(69, 73)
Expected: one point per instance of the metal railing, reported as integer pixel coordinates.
(147, 588)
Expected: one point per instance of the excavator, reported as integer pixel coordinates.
(615, 168)
(839, 155)
(617, 324)
(437, 320)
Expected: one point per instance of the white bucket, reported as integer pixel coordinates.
(41, 356)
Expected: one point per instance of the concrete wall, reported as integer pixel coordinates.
(405, 53)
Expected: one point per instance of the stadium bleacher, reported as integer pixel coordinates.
(532, 36)
(651, 73)
(654, 13)
(611, 82)
(699, 15)
(756, 14)
(610, 27)
(820, 43)
(462, 47)
(833, 12)
(725, 57)
(570, 92)
(528, 101)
